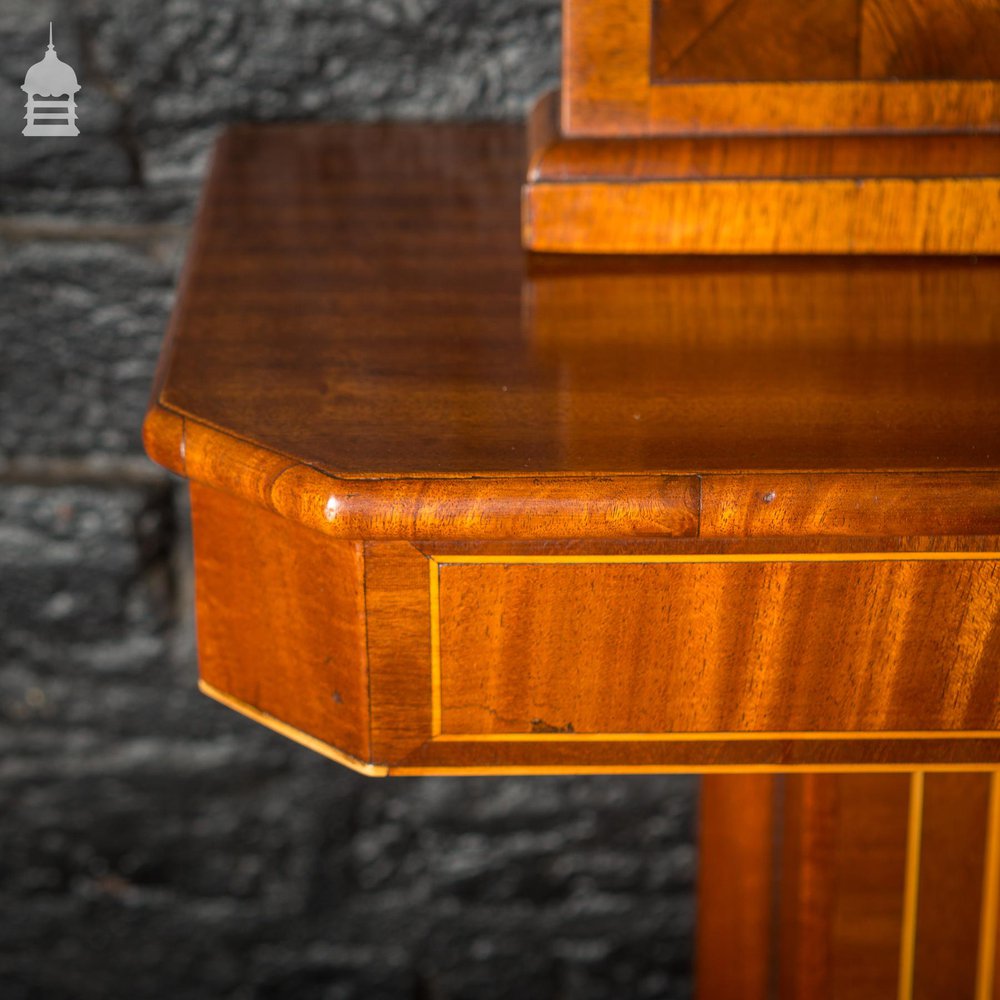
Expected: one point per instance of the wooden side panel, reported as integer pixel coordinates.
(735, 887)
(718, 647)
(988, 972)
(953, 851)
(281, 619)
(843, 861)
(397, 602)
(772, 40)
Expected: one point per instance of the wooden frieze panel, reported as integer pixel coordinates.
(764, 40)
(725, 646)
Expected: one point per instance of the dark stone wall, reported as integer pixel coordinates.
(153, 844)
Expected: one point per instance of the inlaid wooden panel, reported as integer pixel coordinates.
(825, 39)
(910, 39)
(773, 644)
(755, 39)
(648, 67)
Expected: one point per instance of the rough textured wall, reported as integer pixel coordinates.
(152, 844)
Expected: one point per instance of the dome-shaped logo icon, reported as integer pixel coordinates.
(51, 87)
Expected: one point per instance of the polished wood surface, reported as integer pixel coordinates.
(833, 40)
(770, 127)
(418, 374)
(707, 40)
(482, 467)
(435, 482)
(845, 922)
(712, 66)
(555, 157)
(666, 656)
(858, 194)
(719, 647)
(860, 887)
(736, 886)
(375, 656)
(281, 621)
(951, 874)
(885, 216)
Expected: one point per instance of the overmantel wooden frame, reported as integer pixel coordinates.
(608, 90)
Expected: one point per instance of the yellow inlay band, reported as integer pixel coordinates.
(986, 964)
(435, 650)
(507, 770)
(742, 557)
(722, 736)
(911, 886)
(290, 732)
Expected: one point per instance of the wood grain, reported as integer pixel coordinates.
(747, 40)
(843, 863)
(798, 193)
(413, 734)
(609, 90)
(556, 157)
(878, 216)
(874, 885)
(755, 40)
(280, 618)
(397, 605)
(334, 374)
(734, 367)
(850, 505)
(719, 648)
(736, 886)
(910, 39)
(953, 852)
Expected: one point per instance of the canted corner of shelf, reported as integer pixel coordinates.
(369, 770)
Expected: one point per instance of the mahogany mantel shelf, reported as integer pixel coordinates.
(460, 509)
